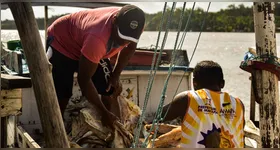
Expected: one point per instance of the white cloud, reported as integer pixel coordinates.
(148, 7)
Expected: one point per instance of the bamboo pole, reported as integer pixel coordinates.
(46, 23)
(267, 82)
(40, 72)
(252, 103)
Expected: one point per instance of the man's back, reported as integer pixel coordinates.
(213, 120)
(71, 31)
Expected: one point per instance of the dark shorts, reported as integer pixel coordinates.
(63, 69)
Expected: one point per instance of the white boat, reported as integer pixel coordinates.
(25, 130)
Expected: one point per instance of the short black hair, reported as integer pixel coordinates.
(208, 73)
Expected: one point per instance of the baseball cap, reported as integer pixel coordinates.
(130, 22)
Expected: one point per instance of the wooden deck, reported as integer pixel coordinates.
(11, 106)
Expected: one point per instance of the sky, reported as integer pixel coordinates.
(148, 7)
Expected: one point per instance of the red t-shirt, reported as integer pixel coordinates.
(85, 32)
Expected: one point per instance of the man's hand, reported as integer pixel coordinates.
(118, 90)
(108, 119)
(114, 81)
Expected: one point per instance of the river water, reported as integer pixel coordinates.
(227, 49)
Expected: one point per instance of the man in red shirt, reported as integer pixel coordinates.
(84, 42)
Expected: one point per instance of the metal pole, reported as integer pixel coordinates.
(267, 82)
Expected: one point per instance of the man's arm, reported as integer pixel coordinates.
(124, 57)
(86, 71)
(177, 108)
(122, 61)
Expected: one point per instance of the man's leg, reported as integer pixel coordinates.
(62, 72)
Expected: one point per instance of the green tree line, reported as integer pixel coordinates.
(232, 19)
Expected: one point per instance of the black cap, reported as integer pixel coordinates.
(130, 22)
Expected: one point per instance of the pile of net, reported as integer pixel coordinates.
(87, 130)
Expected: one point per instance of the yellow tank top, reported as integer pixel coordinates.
(213, 120)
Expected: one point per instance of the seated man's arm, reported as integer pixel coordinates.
(177, 108)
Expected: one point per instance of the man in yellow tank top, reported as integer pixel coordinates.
(210, 118)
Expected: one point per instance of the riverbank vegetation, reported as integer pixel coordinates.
(232, 19)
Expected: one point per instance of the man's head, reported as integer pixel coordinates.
(129, 24)
(208, 74)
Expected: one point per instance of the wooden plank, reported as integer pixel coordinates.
(11, 102)
(11, 131)
(146, 72)
(3, 132)
(25, 140)
(261, 65)
(252, 103)
(13, 82)
(40, 72)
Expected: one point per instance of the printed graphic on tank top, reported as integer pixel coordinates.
(212, 123)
